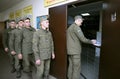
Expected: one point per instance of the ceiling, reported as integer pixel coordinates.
(92, 8)
(90, 22)
(6, 4)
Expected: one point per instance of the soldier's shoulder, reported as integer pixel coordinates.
(13, 31)
(37, 32)
(23, 29)
(50, 32)
(33, 28)
(8, 29)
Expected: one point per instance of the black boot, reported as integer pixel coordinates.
(21, 65)
(13, 70)
(18, 75)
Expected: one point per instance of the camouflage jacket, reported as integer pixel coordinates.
(6, 36)
(74, 38)
(27, 38)
(15, 40)
(43, 45)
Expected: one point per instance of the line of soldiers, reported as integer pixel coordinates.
(34, 49)
(29, 49)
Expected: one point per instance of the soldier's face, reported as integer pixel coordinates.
(12, 24)
(45, 23)
(20, 23)
(79, 22)
(27, 23)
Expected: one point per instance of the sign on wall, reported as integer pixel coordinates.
(26, 12)
(51, 2)
(18, 15)
(38, 20)
(12, 15)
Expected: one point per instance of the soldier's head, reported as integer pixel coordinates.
(21, 23)
(12, 23)
(78, 20)
(44, 22)
(27, 22)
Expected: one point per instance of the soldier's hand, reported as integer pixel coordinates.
(13, 52)
(38, 62)
(20, 56)
(6, 49)
(93, 41)
(53, 56)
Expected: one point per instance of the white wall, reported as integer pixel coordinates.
(38, 9)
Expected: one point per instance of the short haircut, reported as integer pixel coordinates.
(20, 20)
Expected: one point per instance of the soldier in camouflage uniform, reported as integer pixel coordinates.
(28, 57)
(6, 37)
(74, 38)
(15, 46)
(43, 49)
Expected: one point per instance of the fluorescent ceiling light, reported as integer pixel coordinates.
(85, 14)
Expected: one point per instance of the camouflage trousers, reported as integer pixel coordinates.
(74, 66)
(14, 61)
(28, 62)
(43, 69)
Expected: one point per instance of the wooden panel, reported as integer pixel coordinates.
(58, 25)
(2, 26)
(110, 50)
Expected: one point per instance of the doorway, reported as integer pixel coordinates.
(2, 27)
(91, 27)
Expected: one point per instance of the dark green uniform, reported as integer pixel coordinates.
(6, 39)
(15, 40)
(27, 51)
(6, 35)
(74, 38)
(43, 49)
(15, 45)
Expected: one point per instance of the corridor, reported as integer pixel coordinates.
(5, 68)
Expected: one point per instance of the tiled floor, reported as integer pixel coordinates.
(5, 68)
(90, 65)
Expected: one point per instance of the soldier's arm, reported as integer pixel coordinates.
(4, 40)
(11, 41)
(52, 44)
(19, 43)
(81, 36)
(35, 46)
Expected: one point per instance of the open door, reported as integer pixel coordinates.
(2, 27)
(110, 50)
(58, 25)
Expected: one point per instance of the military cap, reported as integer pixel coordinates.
(78, 17)
(43, 18)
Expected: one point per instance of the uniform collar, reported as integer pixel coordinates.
(30, 28)
(75, 24)
(19, 28)
(44, 30)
